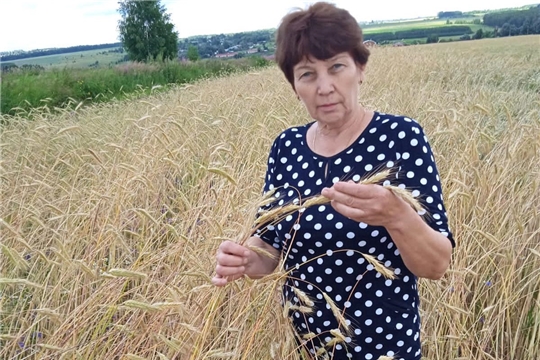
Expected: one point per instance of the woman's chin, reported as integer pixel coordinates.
(330, 118)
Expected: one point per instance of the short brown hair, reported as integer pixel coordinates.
(322, 31)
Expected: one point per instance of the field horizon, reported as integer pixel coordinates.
(104, 56)
(111, 214)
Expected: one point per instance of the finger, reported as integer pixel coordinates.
(231, 260)
(349, 212)
(230, 270)
(229, 247)
(344, 198)
(222, 281)
(219, 280)
(328, 192)
(357, 190)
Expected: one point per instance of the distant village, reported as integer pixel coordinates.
(234, 51)
(225, 46)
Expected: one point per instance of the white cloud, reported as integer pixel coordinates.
(42, 24)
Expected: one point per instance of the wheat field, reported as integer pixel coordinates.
(111, 215)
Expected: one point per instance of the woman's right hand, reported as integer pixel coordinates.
(235, 261)
(232, 260)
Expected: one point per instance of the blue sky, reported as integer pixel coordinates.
(37, 24)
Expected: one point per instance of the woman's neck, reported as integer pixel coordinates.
(344, 127)
(336, 130)
(327, 140)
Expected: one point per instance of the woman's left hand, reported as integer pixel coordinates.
(370, 204)
(425, 252)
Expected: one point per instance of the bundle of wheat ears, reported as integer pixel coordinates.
(278, 213)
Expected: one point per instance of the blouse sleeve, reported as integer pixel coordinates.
(417, 171)
(266, 232)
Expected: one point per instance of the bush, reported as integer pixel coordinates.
(8, 67)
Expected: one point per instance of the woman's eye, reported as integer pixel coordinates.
(306, 74)
(337, 66)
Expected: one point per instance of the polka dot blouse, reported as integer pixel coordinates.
(322, 248)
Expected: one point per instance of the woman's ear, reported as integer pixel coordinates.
(361, 72)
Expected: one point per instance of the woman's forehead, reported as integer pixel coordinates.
(311, 60)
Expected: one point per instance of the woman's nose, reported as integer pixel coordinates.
(325, 84)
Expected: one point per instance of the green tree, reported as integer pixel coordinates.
(479, 34)
(193, 53)
(432, 39)
(146, 31)
(504, 30)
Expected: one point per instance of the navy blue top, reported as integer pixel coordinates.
(322, 248)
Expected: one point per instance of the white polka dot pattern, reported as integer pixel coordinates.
(323, 248)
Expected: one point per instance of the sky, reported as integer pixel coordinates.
(38, 24)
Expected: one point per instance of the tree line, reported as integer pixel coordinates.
(450, 14)
(71, 49)
(419, 33)
(515, 22)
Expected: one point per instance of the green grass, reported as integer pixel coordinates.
(27, 90)
(80, 59)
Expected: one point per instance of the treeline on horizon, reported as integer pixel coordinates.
(505, 23)
(56, 51)
(208, 45)
(452, 14)
(515, 22)
(419, 33)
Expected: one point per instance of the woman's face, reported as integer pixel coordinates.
(329, 88)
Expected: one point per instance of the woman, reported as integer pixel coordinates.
(321, 53)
